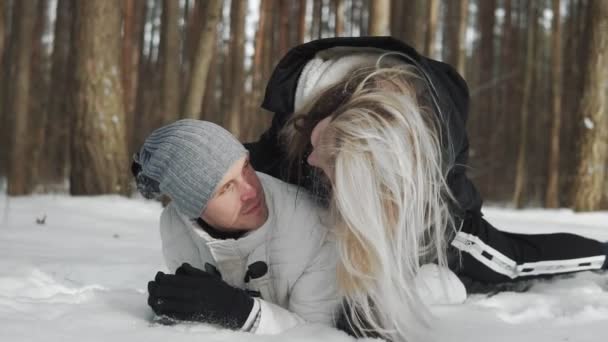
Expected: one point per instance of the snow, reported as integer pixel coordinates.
(82, 276)
(588, 123)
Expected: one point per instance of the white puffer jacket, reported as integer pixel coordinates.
(300, 284)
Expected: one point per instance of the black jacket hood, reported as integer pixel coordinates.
(451, 91)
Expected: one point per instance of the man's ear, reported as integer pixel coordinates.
(135, 165)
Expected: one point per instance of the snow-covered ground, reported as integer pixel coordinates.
(82, 275)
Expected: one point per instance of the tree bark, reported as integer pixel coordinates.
(431, 32)
(398, 17)
(317, 14)
(484, 95)
(575, 39)
(454, 47)
(3, 123)
(269, 57)
(238, 12)
(504, 139)
(99, 150)
(552, 194)
(417, 13)
(339, 9)
(38, 97)
(204, 55)
(193, 23)
(379, 17)
(128, 46)
(60, 111)
(301, 21)
(259, 55)
(593, 149)
(18, 99)
(521, 171)
(170, 51)
(132, 43)
(284, 7)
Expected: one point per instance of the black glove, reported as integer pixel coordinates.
(195, 295)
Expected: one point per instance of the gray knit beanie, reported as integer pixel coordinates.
(186, 160)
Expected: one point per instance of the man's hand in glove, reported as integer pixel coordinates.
(195, 295)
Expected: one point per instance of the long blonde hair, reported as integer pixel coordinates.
(390, 200)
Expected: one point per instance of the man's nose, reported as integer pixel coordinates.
(247, 191)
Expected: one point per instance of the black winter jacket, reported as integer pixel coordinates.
(451, 93)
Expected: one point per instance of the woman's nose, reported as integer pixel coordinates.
(312, 159)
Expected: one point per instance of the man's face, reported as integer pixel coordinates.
(239, 202)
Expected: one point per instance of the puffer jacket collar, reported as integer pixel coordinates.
(228, 249)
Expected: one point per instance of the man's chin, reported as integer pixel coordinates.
(261, 215)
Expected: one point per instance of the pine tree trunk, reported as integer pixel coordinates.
(211, 107)
(571, 85)
(3, 88)
(129, 42)
(431, 32)
(339, 8)
(133, 27)
(144, 119)
(238, 12)
(593, 110)
(364, 15)
(301, 21)
(148, 102)
(259, 56)
(317, 14)
(398, 17)
(405, 31)
(503, 139)
(484, 95)
(540, 122)
(454, 47)
(193, 23)
(283, 9)
(552, 195)
(38, 98)
(18, 99)
(57, 155)
(415, 34)
(269, 57)
(521, 171)
(99, 150)
(379, 17)
(3, 23)
(201, 64)
(170, 51)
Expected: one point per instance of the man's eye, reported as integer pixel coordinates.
(225, 189)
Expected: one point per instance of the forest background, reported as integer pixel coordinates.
(83, 83)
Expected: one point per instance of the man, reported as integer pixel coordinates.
(254, 254)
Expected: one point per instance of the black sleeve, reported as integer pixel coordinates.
(489, 255)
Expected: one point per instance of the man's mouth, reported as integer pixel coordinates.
(253, 208)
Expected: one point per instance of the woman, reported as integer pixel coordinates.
(388, 133)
